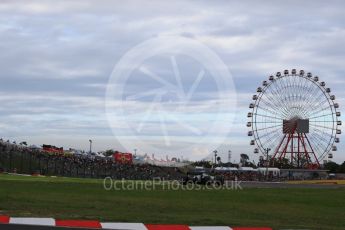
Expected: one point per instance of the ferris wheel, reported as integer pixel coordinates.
(294, 116)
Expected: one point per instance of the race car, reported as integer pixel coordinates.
(203, 179)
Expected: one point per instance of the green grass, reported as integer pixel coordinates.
(73, 198)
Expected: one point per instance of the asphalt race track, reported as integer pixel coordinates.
(256, 184)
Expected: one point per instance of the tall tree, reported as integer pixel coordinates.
(332, 167)
(244, 158)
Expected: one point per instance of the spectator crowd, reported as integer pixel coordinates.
(18, 158)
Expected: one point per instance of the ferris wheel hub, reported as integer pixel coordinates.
(296, 125)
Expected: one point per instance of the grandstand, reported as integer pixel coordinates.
(26, 160)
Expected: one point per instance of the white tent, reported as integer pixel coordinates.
(247, 169)
(226, 169)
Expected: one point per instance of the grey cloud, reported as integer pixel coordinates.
(69, 49)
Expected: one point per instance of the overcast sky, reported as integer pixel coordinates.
(57, 57)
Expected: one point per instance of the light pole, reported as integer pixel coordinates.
(229, 156)
(267, 151)
(215, 156)
(90, 146)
